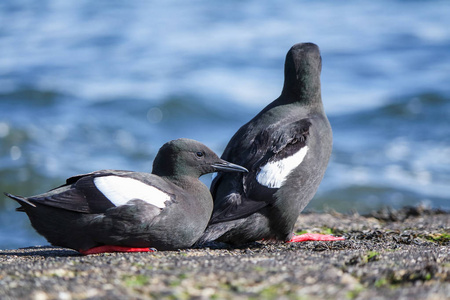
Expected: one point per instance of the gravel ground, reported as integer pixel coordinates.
(389, 254)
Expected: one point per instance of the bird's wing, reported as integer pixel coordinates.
(229, 202)
(277, 142)
(239, 195)
(74, 179)
(98, 191)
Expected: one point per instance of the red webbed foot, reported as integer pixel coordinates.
(111, 248)
(314, 237)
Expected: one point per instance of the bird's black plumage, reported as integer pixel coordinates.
(168, 209)
(286, 148)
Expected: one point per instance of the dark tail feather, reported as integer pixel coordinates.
(21, 200)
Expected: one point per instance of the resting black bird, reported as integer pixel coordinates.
(112, 210)
(286, 148)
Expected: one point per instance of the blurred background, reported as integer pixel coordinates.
(89, 85)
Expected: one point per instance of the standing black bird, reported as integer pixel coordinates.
(125, 211)
(286, 149)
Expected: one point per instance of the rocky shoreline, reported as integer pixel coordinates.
(389, 254)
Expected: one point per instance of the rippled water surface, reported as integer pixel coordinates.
(92, 85)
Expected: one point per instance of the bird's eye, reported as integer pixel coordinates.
(200, 154)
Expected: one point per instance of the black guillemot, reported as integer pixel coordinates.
(124, 211)
(286, 148)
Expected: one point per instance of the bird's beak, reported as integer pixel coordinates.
(225, 166)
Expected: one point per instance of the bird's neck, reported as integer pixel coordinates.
(307, 94)
(295, 102)
(175, 171)
(187, 182)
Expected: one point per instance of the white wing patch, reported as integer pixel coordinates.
(120, 190)
(274, 173)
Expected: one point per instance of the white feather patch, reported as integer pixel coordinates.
(120, 190)
(274, 173)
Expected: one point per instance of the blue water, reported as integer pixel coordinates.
(88, 85)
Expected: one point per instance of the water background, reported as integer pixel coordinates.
(89, 85)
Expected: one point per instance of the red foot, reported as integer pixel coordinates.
(315, 237)
(110, 248)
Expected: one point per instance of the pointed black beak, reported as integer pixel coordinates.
(225, 166)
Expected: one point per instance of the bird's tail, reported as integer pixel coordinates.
(21, 200)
